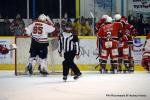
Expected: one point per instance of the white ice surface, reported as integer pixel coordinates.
(91, 86)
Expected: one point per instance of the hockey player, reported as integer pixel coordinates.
(69, 47)
(125, 44)
(101, 22)
(98, 26)
(146, 54)
(109, 38)
(146, 46)
(118, 26)
(128, 33)
(38, 31)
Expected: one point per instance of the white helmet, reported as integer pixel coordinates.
(42, 18)
(109, 20)
(105, 16)
(117, 17)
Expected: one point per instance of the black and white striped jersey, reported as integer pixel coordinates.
(68, 42)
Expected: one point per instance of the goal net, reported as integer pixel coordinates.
(22, 56)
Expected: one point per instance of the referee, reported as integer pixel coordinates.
(69, 45)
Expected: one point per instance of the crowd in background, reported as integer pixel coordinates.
(82, 26)
(11, 28)
(140, 23)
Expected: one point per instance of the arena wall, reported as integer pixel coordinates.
(87, 59)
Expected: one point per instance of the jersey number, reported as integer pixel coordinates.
(108, 34)
(37, 30)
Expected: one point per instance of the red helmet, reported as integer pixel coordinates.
(123, 18)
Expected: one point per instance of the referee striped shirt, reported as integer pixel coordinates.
(68, 42)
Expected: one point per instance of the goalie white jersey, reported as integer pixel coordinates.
(39, 31)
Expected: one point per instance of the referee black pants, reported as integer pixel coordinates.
(69, 63)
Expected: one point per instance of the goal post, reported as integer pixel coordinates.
(22, 55)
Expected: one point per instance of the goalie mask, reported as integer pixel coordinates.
(42, 18)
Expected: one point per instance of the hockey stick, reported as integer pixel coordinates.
(99, 62)
(99, 51)
(92, 15)
(131, 62)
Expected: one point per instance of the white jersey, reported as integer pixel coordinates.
(39, 31)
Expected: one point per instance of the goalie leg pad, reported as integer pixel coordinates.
(32, 61)
(31, 64)
(44, 65)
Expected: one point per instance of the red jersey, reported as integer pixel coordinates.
(110, 30)
(148, 36)
(128, 31)
(100, 23)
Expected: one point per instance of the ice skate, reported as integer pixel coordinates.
(44, 72)
(65, 78)
(119, 70)
(112, 71)
(77, 76)
(29, 68)
(103, 71)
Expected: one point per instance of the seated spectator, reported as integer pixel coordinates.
(7, 27)
(17, 26)
(85, 29)
(4, 26)
(141, 25)
(77, 26)
(147, 25)
(82, 27)
(1, 19)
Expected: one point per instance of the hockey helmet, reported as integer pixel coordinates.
(117, 17)
(124, 18)
(109, 20)
(105, 16)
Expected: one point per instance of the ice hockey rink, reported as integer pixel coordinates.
(91, 86)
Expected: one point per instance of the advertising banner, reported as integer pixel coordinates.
(88, 52)
(97, 7)
(139, 5)
(7, 58)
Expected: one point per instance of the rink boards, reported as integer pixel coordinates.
(87, 59)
